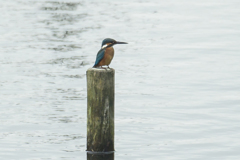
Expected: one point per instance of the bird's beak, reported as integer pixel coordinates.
(121, 43)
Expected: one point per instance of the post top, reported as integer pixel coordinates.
(100, 69)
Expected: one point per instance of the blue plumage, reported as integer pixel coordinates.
(108, 40)
(100, 56)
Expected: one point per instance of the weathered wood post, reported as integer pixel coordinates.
(100, 110)
(109, 156)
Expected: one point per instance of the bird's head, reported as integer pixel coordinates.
(109, 42)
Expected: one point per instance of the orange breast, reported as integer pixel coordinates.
(108, 56)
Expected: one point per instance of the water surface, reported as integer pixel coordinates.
(177, 81)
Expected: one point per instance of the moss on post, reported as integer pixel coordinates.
(100, 110)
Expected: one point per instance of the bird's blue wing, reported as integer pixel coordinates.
(100, 56)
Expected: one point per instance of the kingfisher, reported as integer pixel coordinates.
(106, 53)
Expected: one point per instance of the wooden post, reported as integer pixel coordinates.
(109, 156)
(100, 110)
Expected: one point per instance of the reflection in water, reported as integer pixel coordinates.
(100, 156)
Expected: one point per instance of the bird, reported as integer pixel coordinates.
(106, 53)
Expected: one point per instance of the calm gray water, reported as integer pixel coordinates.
(177, 81)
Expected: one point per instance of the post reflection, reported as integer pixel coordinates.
(100, 156)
